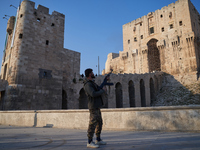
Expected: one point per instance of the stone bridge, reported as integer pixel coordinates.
(129, 90)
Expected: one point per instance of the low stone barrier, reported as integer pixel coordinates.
(173, 118)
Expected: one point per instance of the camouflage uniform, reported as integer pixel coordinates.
(95, 102)
(95, 123)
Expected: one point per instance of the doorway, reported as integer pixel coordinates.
(153, 56)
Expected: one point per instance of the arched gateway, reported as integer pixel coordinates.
(83, 102)
(64, 99)
(119, 96)
(153, 56)
(142, 93)
(131, 91)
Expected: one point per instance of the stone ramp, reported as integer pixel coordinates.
(29, 138)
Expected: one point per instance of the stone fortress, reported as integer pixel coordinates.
(36, 70)
(166, 40)
(38, 73)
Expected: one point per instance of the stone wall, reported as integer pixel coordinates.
(184, 118)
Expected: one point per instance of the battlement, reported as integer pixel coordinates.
(40, 9)
(43, 9)
(150, 14)
(10, 25)
(112, 55)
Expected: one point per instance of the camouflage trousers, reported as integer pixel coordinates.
(95, 123)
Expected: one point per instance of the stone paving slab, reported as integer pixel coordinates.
(30, 138)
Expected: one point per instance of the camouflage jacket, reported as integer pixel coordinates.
(94, 94)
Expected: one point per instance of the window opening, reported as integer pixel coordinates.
(170, 15)
(38, 19)
(128, 41)
(140, 24)
(162, 29)
(171, 26)
(180, 23)
(47, 42)
(35, 13)
(45, 74)
(20, 36)
(151, 30)
(21, 15)
(141, 36)
(52, 24)
(135, 39)
(161, 16)
(134, 29)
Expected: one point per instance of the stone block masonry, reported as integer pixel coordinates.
(184, 118)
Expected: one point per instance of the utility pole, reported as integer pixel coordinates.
(98, 66)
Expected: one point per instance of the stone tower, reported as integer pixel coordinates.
(37, 72)
(166, 40)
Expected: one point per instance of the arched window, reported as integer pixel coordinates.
(83, 101)
(64, 99)
(119, 95)
(153, 56)
(142, 93)
(131, 90)
(152, 91)
(2, 96)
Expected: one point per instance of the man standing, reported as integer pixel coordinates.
(95, 102)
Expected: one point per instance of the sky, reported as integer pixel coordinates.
(92, 27)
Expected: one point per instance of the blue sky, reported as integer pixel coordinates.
(92, 27)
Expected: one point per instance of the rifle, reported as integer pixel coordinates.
(105, 80)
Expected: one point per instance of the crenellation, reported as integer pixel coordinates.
(57, 14)
(42, 9)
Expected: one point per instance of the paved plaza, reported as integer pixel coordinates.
(31, 138)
